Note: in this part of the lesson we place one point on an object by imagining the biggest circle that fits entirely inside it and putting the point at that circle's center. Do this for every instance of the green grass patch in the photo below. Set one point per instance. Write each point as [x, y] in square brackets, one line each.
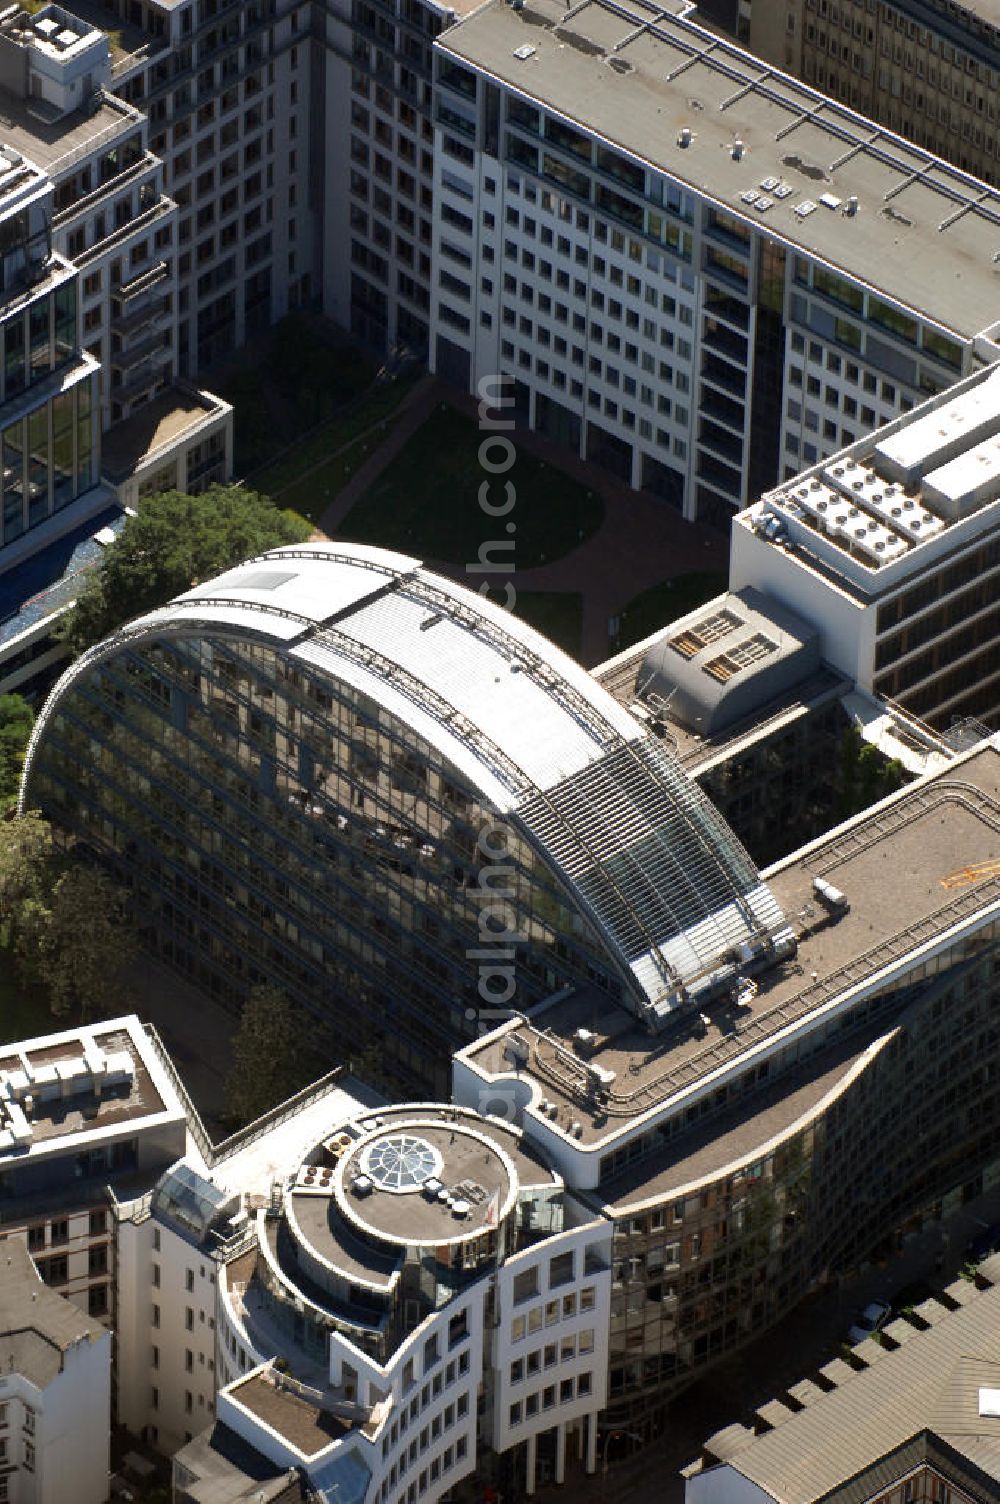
[660, 604]
[426, 502]
[313, 494]
[288, 480]
[557, 614]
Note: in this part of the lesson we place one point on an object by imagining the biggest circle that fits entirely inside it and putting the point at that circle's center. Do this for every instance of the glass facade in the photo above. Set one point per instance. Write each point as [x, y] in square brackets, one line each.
[48, 458]
[277, 825]
[699, 1274]
[47, 451]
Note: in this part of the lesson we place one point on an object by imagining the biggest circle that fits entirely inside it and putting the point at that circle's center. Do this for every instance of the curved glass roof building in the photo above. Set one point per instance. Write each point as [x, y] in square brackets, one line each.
[337, 771]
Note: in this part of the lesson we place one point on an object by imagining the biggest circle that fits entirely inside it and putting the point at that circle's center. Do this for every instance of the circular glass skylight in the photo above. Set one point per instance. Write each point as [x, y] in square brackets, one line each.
[401, 1162]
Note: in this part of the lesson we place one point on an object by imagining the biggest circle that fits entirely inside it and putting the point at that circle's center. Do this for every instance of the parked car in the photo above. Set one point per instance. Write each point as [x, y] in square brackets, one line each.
[872, 1319]
[983, 1244]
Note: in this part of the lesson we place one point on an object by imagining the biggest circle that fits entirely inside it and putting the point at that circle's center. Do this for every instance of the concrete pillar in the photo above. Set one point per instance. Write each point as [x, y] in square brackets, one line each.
[581, 1437]
[635, 468]
[529, 1468]
[592, 1442]
[561, 1452]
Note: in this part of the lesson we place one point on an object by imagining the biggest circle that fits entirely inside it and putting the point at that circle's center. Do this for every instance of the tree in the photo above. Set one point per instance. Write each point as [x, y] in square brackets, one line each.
[82, 943]
[173, 543]
[865, 775]
[267, 1058]
[16, 721]
[25, 872]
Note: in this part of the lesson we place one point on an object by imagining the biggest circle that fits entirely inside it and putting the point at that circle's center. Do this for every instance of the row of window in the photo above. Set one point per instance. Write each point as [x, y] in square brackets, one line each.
[439, 1467]
[552, 1353]
[550, 1313]
[545, 1399]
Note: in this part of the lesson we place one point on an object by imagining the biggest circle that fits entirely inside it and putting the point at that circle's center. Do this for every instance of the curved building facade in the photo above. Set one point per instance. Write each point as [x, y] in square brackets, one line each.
[333, 770]
[849, 1099]
[438, 1301]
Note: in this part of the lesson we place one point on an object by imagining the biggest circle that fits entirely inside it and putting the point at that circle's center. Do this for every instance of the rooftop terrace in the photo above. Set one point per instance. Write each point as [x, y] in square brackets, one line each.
[457, 1172]
[156, 426]
[56, 145]
[942, 833]
[301, 1416]
[924, 233]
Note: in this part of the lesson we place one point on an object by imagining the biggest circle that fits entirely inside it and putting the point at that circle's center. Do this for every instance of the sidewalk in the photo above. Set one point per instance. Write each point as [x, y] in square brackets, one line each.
[641, 542]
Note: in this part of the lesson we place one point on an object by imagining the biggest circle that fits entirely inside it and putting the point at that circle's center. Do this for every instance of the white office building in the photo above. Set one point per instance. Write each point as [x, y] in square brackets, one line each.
[55, 1391]
[437, 1298]
[698, 272]
[891, 548]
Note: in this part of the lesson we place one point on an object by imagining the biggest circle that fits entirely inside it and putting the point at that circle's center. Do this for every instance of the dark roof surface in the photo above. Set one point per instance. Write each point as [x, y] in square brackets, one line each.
[219, 1467]
[37, 1326]
[928, 1389]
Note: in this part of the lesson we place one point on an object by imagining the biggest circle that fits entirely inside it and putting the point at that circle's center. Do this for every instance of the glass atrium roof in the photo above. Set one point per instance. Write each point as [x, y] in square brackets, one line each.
[189, 1201]
[402, 1162]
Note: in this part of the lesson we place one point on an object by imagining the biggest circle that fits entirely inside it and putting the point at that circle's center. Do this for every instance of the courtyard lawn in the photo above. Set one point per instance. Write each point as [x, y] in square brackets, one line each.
[426, 502]
[664, 603]
[311, 473]
[557, 614]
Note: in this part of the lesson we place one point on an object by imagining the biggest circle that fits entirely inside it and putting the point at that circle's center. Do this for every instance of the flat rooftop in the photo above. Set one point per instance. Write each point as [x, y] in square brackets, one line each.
[54, 146]
[703, 1152]
[155, 427]
[325, 1231]
[363, 1236]
[620, 677]
[943, 833]
[452, 1161]
[78, 1084]
[924, 233]
[293, 1411]
[900, 498]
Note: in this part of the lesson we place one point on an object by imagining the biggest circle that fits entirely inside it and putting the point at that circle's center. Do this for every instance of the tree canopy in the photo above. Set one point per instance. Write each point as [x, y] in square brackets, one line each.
[865, 775]
[25, 869]
[83, 943]
[174, 542]
[268, 1060]
[16, 721]
[63, 924]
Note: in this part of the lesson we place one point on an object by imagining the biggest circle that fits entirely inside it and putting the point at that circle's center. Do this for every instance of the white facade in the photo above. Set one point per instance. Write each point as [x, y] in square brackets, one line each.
[674, 301]
[56, 1437]
[553, 1307]
[55, 1392]
[227, 93]
[907, 605]
[513, 1347]
[166, 1333]
[58, 1206]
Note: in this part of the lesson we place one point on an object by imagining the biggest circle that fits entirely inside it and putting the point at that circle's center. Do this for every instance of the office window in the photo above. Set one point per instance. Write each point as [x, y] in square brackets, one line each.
[525, 1285]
